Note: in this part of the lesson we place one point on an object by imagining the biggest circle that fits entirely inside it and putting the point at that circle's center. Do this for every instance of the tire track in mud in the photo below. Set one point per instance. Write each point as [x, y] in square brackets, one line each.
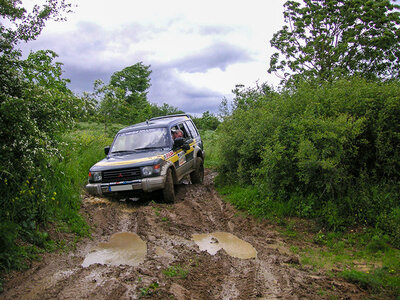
[167, 229]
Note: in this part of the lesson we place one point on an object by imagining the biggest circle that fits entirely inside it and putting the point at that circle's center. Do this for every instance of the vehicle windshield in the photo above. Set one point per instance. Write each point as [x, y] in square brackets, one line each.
[137, 140]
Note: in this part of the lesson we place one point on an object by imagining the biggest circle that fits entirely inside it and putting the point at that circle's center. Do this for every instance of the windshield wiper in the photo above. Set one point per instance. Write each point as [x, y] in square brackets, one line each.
[148, 148]
[122, 151]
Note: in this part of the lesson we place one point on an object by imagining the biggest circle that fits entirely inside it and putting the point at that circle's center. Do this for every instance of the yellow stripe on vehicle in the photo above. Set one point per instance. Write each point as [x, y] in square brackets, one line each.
[127, 162]
[173, 158]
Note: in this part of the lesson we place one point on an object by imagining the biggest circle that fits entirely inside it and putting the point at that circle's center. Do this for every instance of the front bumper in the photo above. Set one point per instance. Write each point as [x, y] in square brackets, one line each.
[146, 184]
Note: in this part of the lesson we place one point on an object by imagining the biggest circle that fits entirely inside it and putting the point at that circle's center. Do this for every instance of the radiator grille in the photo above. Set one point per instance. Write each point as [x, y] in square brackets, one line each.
[121, 175]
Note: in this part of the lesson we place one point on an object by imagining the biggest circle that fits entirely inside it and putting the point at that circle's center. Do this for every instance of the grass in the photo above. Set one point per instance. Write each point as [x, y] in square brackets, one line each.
[361, 255]
[176, 272]
[347, 255]
[379, 281]
[208, 137]
[149, 290]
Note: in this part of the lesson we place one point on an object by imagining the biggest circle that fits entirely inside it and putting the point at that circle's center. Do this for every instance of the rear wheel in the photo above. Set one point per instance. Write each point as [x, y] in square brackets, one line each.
[169, 190]
[197, 175]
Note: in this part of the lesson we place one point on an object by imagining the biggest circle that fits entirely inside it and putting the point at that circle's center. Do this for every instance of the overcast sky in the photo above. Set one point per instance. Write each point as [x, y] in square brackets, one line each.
[198, 50]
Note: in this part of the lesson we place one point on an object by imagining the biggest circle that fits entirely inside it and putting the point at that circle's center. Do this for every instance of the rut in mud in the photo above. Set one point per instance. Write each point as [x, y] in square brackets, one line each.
[150, 249]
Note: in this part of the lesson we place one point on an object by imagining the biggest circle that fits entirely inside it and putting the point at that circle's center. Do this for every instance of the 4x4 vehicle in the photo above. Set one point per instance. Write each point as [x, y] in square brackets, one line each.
[144, 157]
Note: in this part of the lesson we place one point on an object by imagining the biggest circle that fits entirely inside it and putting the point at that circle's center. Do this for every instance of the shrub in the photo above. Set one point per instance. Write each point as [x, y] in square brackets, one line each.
[328, 151]
[52, 195]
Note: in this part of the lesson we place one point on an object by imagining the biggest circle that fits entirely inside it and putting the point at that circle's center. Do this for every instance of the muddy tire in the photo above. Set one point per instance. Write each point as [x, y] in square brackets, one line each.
[169, 190]
[197, 176]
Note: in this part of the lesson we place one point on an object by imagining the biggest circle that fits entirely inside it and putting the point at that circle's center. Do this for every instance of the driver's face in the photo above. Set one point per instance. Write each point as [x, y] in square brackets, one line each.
[177, 134]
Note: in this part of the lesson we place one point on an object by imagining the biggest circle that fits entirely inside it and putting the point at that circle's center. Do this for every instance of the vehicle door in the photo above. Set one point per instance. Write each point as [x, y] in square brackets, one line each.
[195, 133]
[184, 160]
[191, 142]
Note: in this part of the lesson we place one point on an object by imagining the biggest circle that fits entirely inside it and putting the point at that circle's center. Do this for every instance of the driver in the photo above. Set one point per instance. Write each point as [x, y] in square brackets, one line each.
[177, 134]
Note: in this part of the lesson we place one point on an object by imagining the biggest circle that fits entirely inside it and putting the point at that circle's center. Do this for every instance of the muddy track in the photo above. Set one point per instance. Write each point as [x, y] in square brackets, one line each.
[167, 230]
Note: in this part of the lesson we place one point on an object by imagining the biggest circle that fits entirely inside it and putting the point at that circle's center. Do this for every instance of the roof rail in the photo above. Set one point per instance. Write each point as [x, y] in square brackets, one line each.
[170, 116]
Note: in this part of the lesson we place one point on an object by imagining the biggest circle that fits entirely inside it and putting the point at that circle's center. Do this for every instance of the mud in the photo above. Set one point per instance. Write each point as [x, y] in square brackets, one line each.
[166, 232]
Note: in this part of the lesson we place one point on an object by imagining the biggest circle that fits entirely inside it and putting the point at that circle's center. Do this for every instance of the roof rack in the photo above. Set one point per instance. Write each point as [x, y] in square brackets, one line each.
[170, 116]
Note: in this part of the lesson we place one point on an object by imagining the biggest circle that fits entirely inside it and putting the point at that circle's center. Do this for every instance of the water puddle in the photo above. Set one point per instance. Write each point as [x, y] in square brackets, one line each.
[235, 247]
[124, 248]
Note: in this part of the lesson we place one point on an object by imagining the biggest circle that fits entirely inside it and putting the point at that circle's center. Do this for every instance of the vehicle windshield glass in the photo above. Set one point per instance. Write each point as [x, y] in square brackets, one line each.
[140, 140]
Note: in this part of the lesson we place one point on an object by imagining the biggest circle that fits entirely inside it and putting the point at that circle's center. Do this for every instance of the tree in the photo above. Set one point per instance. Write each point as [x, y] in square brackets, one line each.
[35, 105]
[131, 84]
[112, 107]
[164, 109]
[21, 26]
[134, 81]
[327, 39]
[36, 108]
[207, 121]
[39, 68]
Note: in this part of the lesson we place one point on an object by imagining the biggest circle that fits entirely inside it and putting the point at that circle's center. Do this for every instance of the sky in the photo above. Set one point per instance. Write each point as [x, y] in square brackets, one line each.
[198, 51]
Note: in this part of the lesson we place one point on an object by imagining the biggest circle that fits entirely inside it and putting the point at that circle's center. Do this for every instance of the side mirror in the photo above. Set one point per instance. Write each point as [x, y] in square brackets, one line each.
[178, 143]
[186, 146]
[107, 150]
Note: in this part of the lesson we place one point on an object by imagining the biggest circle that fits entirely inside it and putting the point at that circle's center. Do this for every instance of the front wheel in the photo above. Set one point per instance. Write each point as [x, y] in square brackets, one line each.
[169, 190]
[197, 176]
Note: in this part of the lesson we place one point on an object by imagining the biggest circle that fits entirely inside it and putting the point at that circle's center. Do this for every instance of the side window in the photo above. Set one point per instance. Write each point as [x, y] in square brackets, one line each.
[192, 128]
[183, 128]
[185, 133]
[190, 135]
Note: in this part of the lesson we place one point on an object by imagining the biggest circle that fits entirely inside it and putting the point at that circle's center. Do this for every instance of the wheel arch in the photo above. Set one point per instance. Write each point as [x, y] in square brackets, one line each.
[167, 166]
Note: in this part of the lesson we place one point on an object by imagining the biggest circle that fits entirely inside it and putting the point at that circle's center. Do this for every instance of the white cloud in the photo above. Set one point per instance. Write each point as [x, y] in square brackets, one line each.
[198, 50]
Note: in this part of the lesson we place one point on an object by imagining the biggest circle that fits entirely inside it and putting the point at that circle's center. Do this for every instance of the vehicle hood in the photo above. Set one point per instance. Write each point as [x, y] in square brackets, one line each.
[137, 159]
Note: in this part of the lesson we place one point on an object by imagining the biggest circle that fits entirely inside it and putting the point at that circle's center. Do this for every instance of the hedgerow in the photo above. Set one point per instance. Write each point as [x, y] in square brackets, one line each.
[330, 151]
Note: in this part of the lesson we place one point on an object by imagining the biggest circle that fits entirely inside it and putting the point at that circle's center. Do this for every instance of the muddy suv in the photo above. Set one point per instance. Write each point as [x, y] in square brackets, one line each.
[149, 156]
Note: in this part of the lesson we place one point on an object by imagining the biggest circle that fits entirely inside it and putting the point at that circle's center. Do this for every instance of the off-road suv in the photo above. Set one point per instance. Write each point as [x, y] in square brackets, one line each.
[145, 157]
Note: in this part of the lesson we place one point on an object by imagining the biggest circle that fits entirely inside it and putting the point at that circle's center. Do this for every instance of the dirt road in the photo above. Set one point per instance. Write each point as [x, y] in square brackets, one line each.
[169, 264]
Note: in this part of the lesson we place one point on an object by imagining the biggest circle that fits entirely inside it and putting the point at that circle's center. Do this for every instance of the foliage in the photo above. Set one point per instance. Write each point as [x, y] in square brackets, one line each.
[335, 253]
[176, 271]
[378, 281]
[328, 39]
[53, 196]
[36, 110]
[330, 152]
[133, 81]
[131, 85]
[208, 137]
[150, 290]
[207, 121]
[164, 110]
[111, 108]
[124, 99]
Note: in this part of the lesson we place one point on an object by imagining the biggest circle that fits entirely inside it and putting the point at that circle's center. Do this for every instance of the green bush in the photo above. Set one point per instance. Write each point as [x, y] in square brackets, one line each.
[53, 195]
[330, 152]
[207, 121]
[389, 221]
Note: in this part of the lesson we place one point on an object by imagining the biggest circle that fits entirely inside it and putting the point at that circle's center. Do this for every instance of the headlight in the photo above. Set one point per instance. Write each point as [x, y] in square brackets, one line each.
[151, 170]
[95, 176]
